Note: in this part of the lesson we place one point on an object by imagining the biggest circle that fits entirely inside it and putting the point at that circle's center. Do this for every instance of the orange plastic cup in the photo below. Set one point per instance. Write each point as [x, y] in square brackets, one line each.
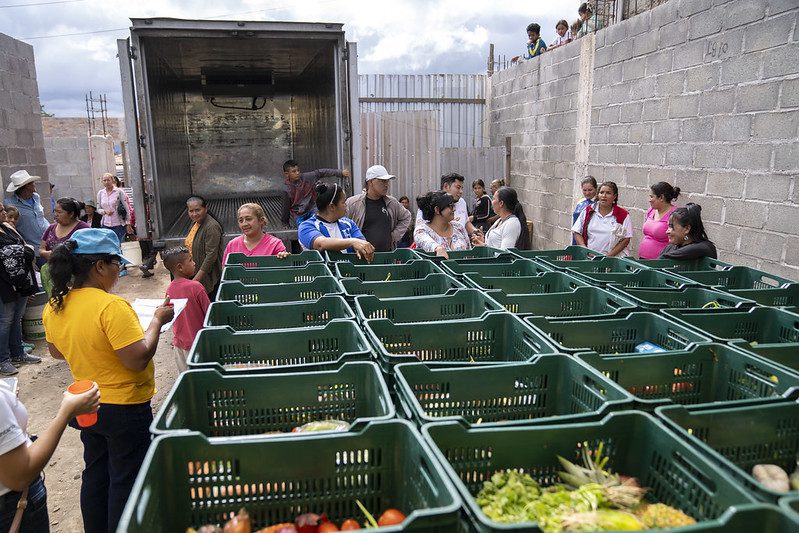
[79, 387]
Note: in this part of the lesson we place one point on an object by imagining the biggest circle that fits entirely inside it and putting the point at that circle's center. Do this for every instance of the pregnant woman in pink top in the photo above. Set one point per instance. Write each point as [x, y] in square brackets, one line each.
[254, 241]
[657, 220]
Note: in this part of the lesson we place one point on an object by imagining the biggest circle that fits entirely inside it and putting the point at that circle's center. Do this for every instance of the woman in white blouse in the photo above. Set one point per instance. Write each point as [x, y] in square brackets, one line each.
[605, 227]
[510, 229]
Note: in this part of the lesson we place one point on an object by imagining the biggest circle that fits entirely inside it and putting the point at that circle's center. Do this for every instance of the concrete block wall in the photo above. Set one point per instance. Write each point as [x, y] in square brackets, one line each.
[703, 94]
[21, 140]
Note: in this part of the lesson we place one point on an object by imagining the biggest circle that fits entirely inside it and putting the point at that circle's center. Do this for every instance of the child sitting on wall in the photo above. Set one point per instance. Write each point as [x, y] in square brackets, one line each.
[535, 45]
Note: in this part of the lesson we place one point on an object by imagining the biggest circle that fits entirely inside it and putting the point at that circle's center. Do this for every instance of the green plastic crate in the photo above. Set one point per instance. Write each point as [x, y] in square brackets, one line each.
[272, 261]
[685, 298]
[266, 276]
[742, 436]
[585, 303]
[474, 253]
[599, 265]
[187, 480]
[219, 405]
[770, 333]
[738, 278]
[277, 315]
[787, 296]
[431, 284]
[412, 270]
[576, 253]
[646, 279]
[759, 517]
[685, 265]
[462, 303]
[495, 338]
[282, 292]
[279, 350]
[502, 267]
[636, 444]
[790, 505]
[617, 335]
[549, 389]
[546, 283]
[702, 374]
[396, 257]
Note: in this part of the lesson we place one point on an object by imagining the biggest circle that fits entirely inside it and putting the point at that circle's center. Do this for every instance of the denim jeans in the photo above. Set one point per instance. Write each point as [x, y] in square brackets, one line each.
[35, 519]
[11, 328]
[121, 232]
[113, 451]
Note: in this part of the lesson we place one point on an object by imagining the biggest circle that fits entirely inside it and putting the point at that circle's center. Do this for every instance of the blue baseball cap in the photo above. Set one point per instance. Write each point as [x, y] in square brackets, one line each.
[98, 241]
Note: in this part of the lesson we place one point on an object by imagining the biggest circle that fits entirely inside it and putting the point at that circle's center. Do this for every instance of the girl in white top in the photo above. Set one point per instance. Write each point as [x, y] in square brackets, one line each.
[21, 461]
[609, 227]
[510, 230]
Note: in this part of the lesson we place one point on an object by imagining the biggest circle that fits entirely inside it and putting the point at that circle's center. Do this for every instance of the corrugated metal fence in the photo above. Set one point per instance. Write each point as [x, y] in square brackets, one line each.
[422, 126]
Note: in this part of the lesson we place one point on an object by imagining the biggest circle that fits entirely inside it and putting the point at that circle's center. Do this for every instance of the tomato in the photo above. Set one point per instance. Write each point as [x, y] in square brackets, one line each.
[390, 517]
[327, 527]
[349, 524]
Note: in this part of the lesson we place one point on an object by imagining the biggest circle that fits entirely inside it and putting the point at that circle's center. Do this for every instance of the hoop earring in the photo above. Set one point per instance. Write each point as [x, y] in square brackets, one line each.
[685, 238]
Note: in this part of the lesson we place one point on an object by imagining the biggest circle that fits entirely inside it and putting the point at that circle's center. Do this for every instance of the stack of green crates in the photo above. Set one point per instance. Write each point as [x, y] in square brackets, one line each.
[281, 315]
[278, 293]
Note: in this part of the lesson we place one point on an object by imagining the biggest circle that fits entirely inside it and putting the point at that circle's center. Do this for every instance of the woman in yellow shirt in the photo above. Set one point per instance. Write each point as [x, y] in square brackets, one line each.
[99, 335]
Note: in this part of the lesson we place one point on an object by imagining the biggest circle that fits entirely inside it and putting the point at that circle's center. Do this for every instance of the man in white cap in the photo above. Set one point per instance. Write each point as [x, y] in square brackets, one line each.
[382, 219]
[31, 224]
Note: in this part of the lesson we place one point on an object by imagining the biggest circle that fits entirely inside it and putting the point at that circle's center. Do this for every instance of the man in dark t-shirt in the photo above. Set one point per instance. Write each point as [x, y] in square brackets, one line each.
[382, 219]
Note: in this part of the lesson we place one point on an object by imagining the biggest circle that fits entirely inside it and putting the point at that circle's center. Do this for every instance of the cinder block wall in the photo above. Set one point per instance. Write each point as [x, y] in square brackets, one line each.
[703, 94]
[21, 141]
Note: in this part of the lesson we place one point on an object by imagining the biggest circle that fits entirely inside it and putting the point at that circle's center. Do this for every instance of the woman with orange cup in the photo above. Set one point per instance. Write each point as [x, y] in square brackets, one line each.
[22, 461]
[99, 335]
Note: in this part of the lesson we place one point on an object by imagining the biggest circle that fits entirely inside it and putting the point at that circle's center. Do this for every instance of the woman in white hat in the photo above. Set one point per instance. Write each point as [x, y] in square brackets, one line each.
[31, 224]
[92, 217]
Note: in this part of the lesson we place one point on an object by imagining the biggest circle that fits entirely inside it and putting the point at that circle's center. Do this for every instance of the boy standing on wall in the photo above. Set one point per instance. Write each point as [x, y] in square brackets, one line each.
[300, 195]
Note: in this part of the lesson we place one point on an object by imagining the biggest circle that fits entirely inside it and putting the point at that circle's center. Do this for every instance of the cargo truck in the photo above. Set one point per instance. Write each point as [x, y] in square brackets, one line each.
[214, 108]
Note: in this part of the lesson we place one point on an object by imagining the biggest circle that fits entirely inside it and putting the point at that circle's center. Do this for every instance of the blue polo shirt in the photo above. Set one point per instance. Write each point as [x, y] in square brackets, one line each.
[31, 224]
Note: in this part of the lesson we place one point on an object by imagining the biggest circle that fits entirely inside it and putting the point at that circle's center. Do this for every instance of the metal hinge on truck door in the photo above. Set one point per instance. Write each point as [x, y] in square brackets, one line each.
[346, 54]
[132, 52]
[142, 143]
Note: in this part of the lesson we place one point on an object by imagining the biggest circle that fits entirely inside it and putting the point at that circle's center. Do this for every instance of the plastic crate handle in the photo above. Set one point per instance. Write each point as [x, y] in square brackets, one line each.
[696, 472]
[611, 302]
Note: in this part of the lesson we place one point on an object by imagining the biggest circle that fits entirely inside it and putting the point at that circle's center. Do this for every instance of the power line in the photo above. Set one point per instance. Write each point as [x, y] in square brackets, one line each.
[72, 34]
[42, 3]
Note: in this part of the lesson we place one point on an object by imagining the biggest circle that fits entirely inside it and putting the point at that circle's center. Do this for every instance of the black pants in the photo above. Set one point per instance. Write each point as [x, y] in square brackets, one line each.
[35, 518]
[113, 451]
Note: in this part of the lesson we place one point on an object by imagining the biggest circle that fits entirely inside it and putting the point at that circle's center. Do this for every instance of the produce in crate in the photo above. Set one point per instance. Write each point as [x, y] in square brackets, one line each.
[772, 477]
[591, 498]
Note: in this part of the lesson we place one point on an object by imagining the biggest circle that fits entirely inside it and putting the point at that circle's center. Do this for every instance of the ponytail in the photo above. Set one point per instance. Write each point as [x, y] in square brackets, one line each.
[510, 198]
[69, 270]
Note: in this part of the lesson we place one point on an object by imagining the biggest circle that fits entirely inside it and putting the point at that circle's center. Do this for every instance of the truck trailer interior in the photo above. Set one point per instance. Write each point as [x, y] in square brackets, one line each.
[226, 111]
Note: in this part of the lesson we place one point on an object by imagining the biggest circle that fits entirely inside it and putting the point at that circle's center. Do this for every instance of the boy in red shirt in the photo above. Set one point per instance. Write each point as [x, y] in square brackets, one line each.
[179, 262]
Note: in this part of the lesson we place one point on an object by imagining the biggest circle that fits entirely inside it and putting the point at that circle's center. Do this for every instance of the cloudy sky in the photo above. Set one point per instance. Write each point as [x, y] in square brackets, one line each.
[75, 48]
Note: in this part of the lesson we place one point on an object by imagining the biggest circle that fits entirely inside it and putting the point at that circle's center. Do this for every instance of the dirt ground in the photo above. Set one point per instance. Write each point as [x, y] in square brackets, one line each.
[41, 387]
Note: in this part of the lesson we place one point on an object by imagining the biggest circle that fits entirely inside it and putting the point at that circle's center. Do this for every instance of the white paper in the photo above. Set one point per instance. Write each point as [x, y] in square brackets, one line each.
[145, 309]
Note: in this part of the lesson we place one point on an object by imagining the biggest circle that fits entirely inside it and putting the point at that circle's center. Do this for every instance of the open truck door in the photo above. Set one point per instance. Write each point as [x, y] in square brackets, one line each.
[354, 118]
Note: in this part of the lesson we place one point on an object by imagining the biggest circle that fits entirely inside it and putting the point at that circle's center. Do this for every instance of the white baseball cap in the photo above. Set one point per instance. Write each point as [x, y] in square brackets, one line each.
[379, 172]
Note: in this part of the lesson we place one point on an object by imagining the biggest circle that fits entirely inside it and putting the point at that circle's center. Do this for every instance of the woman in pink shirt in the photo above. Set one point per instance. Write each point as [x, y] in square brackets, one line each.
[254, 240]
[657, 219]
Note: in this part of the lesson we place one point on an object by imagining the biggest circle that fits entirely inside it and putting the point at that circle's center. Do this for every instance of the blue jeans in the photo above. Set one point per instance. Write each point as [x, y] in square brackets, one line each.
[113, 451]
[121, 232]
[35, 519]
[11, 328]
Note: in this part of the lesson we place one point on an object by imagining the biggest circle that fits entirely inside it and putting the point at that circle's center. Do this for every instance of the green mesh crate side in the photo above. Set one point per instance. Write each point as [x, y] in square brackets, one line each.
[785, 355]
[494, 338]
[636, 444]
[685, 298]
[570, 253]
[278, 349]
[618, 335]
[642, 279]
[284, 292]
[599, 265]
[272, 261]
[413, 270]
[584, 302]
[219, 405]
[685, 265]
[263, 276]
[552, 386]
[762, 325]
[276, 316]
[790, 504]
[745, 436]
[705, 373]
[738, 277]
[187, 481]
[462, 303]
[547, 283]
[431, 284]
[395, 257]
[515, 268]
[787, 296]
[475, 253]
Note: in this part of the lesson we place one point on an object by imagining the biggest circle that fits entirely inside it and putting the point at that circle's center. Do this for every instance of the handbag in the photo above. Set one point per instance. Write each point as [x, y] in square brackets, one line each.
[122, 209]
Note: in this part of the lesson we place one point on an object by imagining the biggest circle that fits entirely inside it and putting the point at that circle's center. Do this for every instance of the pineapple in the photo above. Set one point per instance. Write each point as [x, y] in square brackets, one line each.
[659, 515]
